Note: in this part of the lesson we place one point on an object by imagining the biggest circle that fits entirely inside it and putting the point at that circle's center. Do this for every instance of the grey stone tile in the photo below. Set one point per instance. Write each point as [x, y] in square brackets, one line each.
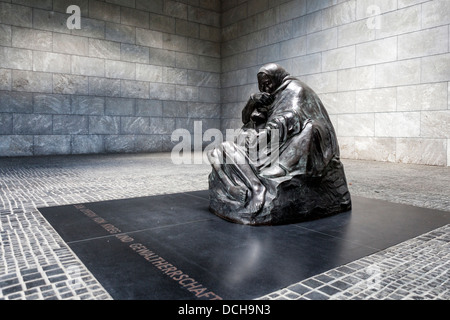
[32, 124]
[70, 84]
[18, 102]
[47, 145]
[52, 103]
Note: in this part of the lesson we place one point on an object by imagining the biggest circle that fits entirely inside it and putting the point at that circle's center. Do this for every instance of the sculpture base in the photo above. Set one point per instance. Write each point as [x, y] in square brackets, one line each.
[288, 200]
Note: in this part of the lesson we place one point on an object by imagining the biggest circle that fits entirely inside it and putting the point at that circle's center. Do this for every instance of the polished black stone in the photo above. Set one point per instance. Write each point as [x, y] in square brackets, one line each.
[192, 254]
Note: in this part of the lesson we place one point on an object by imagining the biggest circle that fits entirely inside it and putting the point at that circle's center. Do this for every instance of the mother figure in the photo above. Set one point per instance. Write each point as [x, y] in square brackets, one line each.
[284, 164]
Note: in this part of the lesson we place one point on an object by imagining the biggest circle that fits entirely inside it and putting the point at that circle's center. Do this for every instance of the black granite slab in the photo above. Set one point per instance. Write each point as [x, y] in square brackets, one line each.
[171, 247]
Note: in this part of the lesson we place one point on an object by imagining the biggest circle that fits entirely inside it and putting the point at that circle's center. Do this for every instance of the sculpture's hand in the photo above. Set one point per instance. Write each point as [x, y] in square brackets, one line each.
[264, 98]
[248, 110]
[253, 138]
[267, 99]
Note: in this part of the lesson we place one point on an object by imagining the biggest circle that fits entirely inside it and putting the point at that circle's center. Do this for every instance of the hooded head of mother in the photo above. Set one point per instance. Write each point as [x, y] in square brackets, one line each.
[271, 77]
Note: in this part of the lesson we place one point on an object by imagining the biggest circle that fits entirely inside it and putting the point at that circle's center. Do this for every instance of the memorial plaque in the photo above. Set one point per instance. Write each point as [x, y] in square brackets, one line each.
[170, 247]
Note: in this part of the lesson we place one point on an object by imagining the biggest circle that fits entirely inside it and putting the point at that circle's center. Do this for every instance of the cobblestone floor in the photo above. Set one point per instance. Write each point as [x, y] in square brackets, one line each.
[35, 263]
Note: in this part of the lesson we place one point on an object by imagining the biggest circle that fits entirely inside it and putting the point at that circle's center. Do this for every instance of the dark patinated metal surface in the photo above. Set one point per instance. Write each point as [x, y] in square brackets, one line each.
[297, 173]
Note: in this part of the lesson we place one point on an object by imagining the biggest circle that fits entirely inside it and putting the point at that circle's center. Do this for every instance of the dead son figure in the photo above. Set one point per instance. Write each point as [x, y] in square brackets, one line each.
[284, 164]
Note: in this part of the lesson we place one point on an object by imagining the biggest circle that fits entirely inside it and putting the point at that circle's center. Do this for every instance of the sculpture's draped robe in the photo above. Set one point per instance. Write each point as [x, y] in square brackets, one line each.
[300, 166]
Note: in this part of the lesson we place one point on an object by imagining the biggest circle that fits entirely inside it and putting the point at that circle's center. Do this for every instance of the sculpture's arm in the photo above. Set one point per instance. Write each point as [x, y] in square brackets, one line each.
[288, 124]
[256, 101]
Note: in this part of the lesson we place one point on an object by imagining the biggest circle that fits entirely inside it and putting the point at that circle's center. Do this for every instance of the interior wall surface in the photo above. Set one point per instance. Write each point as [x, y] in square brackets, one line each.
[381, 67]
[133, 72]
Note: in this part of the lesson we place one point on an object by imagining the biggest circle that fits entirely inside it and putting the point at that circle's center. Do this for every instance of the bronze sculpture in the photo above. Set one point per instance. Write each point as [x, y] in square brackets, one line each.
[296, 174]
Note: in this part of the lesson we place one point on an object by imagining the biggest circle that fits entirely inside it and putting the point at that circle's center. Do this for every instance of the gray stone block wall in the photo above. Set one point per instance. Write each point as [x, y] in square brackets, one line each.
[135, 71]
[139, 69]
[382, 69]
